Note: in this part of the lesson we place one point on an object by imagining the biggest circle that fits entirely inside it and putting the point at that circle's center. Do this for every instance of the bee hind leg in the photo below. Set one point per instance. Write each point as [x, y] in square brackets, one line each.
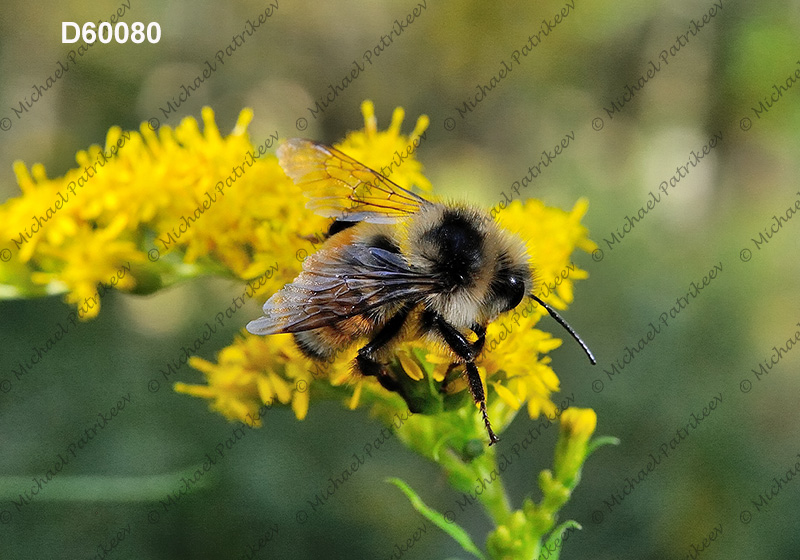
[370, 367]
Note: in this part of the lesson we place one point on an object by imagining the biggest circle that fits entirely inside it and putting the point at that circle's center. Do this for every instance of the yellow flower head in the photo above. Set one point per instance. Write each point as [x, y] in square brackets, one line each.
[577, 426]
[234, 385]
[173, 205]
[249, 373]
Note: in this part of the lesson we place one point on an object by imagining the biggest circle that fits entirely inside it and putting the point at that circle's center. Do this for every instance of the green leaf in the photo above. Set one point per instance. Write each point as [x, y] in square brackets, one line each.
[449, 527]
[102, 488]
[552, 547]
[600, 442]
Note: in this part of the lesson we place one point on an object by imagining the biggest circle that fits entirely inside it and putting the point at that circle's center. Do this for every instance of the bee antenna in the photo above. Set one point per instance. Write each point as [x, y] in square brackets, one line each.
[554, 314]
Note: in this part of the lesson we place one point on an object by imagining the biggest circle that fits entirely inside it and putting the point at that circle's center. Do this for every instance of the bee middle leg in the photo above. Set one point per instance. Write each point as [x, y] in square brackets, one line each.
[465, 350]
[366, 362]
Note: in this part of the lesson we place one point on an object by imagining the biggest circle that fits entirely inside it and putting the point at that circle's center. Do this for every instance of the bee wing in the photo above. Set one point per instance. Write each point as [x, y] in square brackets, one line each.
[340, 187]
[338, 283]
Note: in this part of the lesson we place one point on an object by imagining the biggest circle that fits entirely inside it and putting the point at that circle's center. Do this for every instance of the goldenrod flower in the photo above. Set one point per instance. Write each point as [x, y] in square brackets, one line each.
[577, 426]
[514, 362]
[149, 209]
[273, 372]
[390, 153]
[185, 202]
[173, 205]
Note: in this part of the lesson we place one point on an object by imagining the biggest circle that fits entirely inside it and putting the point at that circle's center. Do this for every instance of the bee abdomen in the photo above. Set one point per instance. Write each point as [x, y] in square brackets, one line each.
[328, 343]
[310, 344]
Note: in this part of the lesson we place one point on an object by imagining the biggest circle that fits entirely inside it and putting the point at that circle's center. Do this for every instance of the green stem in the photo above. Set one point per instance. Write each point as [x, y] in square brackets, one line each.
[494, 497]
[470, 477]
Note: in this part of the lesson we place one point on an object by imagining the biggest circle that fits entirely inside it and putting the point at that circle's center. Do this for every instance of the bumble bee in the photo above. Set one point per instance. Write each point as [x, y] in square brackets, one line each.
[395, 265]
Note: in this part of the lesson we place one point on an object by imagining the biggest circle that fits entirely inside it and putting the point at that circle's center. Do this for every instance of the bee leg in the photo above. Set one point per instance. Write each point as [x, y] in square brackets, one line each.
[476, 388]
[477, 346]
[365, 361]
[459, 344]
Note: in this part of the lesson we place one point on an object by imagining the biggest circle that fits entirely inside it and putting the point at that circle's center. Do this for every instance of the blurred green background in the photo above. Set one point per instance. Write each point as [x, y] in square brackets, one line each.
[709, 86]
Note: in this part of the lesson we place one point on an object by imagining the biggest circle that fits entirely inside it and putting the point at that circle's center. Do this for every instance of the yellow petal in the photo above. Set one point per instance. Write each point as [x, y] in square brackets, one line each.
[353, 404]
[300, 405]
[410, 366]
[507, 396]
[281, 388]
[265, 391]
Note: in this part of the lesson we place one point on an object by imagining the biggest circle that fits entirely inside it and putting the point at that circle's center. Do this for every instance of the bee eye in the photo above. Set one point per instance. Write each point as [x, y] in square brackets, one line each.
[513, 290]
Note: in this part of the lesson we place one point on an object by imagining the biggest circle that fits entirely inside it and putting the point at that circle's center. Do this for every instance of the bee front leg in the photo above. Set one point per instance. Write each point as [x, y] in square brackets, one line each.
[477, 346]
[465, 350]
[476, 388]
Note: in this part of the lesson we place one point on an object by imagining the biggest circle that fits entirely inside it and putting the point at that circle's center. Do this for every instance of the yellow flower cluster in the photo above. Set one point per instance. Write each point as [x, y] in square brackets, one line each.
[514, 361]
[249, 374]
[182, 203]
[171, 205]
